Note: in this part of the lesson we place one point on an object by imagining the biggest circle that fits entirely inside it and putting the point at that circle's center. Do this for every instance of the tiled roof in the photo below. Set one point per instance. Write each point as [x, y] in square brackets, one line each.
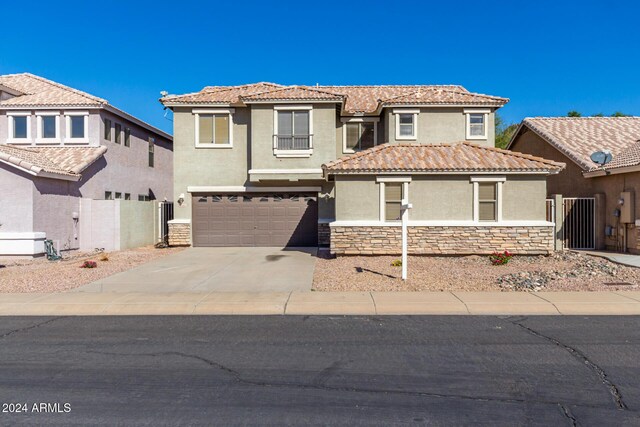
[456, 157]
[39, 91]
[579, 137]
[355, 99]
[63, 161]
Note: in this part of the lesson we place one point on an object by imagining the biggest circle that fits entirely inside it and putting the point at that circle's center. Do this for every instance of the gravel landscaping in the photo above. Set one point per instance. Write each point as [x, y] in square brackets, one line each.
[41, 275]
[562, 271]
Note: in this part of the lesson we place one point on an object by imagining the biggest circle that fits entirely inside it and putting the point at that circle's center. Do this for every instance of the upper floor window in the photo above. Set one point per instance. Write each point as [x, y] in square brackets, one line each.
[476, 123]
[214, 128]
[359, 134]
[152, 143]
[19, 126]
[107, 129]
[76, 126]
[127, 137]
[406, 124]
[118, 131]
[47, 127]
[487, 196]
[293, 130]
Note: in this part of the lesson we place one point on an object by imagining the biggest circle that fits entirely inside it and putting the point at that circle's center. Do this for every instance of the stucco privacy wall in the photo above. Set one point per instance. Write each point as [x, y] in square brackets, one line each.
[117, 224]
[441, 240]
[439, 125]
[440, 197]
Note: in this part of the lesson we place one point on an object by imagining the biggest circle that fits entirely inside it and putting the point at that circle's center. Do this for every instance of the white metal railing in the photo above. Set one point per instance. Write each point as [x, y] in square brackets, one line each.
[293, 142]
[579, 222]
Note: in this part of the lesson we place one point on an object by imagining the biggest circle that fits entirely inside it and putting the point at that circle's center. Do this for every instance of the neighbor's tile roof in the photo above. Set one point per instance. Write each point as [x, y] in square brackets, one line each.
[579, 137]
[39, 91]
[65, 161]
[456, 157]
[356, 99]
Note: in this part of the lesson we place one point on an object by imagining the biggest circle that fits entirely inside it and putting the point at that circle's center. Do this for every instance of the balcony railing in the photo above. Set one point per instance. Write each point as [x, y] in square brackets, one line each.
[293, 142]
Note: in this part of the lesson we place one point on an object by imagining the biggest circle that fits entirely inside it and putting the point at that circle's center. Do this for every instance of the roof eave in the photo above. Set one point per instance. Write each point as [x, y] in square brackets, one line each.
[442, 172]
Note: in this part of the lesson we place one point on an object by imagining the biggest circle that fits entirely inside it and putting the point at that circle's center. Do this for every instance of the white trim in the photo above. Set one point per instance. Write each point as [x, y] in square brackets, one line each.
[614, 171]
[22, 235]
[406, 111]
[476, 202]
[196, 114]
[477, 110]
[488, 178]
[442, 223]
[243, 189]
[39, 138]
[393, 179]
[179, 221]
[485, 119]
[29, 171]
[529, 172]
[280, 101]
[293, 107]
[10, 127]
[293, 153]
[346, 121]
[284, 171]
[382, 209]
[67, 134]
[397, 113]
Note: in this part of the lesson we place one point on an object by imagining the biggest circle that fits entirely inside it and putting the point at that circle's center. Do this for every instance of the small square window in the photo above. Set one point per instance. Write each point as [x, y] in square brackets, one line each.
[118, 195]
[108, 195]
[107, 129]
[127, 196]
[118, 131]
[127, 137]
[216, 199]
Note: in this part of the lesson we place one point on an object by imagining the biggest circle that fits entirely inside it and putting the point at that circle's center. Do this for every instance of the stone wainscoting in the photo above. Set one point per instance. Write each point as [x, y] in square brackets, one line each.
[179, 233]
[442, 240]
[324, 234]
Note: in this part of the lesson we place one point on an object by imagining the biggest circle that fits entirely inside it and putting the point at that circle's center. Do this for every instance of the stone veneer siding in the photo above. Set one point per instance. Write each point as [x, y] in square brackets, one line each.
[179, 234]
[324, 234]
[441, 240]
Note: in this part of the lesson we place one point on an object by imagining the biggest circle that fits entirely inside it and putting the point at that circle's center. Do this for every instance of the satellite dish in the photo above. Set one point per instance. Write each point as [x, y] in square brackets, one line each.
[601, 158]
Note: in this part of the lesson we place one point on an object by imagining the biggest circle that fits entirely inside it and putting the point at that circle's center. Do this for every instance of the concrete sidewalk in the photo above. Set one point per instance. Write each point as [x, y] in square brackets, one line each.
[322, 303]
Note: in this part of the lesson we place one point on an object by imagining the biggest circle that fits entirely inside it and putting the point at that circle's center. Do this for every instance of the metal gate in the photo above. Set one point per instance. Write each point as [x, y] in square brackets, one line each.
[579, 225]
[165, 214]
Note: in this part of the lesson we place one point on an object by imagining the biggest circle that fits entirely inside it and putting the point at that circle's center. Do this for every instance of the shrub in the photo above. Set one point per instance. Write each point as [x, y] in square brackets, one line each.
[396, 263]
[104, 257]
[89, 264]
[500, 258]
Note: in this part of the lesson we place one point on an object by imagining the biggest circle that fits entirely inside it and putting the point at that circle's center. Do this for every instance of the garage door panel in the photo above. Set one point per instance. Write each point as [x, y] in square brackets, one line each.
[255, 220]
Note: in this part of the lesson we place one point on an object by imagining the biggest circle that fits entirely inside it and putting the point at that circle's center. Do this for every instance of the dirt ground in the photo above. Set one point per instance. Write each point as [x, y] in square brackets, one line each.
[41, 275]
[563, 271]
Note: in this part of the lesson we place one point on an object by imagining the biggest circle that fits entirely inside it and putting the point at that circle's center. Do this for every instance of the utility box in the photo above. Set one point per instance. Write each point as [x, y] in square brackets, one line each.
[627, 210]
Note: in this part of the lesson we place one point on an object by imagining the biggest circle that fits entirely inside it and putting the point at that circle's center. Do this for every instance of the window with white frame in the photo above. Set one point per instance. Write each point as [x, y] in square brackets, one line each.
[293, 131]
[359, 134]
[214, 128]
[487, 195]
[76, 126]
[19, 126]
[406, 124]
[477, 121]
[47, 127]
[393, 190]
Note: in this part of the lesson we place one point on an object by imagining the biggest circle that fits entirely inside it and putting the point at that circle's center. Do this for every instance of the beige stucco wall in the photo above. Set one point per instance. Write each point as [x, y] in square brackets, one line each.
[441, 197]
[138, 223]
[16, 200]
[439, 125]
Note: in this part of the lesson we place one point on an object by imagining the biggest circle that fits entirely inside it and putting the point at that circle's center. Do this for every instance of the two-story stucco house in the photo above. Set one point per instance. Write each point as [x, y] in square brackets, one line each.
[57, 145]
[257, 165]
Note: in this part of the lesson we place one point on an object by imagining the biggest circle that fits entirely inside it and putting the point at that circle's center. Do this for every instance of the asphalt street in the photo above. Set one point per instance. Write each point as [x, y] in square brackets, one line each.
[290, 370]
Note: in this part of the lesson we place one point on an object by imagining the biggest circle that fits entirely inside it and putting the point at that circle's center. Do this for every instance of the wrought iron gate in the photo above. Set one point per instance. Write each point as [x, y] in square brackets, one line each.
[579, 223]
[165, 214]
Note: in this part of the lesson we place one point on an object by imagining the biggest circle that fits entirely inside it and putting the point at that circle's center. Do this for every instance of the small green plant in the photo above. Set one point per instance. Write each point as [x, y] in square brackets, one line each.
[396, 263]
[89, 264]
[500, 258]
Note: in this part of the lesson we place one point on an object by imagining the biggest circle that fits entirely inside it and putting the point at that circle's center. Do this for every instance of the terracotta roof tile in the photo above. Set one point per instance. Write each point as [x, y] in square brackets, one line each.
[39, 91]
[457, 157]
[65, 161]
[355, 99]
[579, 137]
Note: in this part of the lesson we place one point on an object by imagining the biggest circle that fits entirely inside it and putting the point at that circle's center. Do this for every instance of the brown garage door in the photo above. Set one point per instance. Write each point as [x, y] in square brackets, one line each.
[255, 220]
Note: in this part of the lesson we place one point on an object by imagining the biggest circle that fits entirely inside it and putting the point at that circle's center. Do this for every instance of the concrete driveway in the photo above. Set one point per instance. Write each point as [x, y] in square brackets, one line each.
[217, 270]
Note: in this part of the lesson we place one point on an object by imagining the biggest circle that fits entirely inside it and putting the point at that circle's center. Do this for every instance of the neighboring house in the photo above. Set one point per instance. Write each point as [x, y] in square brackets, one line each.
[572, 140]
[249, 169]
[57, 145]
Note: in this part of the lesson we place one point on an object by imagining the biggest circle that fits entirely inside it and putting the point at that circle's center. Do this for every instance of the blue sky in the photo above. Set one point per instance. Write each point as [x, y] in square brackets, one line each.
[548, 57]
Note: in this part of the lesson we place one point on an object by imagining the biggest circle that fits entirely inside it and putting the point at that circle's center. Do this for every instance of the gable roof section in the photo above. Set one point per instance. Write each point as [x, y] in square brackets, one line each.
[439, 158]
[35, 91]
[355, 99]
[51, 162]
[579, 137]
